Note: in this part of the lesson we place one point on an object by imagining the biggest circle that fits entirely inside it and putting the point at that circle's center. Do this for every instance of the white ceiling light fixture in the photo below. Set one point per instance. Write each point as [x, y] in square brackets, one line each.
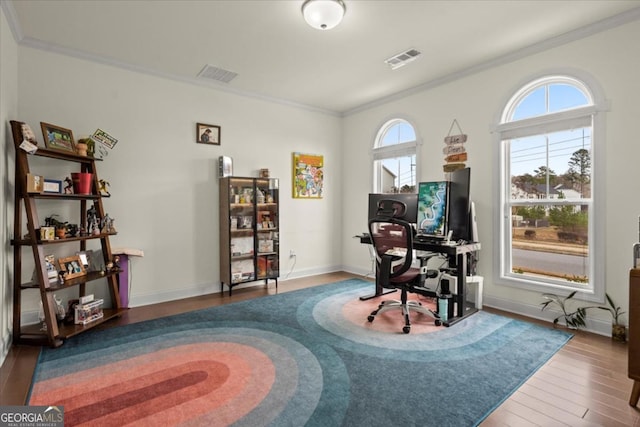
[323, 14]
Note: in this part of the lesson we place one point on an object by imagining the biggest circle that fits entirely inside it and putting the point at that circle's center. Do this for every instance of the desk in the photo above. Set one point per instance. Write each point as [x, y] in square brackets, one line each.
[457, 256]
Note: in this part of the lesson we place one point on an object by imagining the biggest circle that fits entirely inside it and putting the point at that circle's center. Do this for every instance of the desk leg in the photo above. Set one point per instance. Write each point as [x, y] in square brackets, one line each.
[379, 291]
[463, 309]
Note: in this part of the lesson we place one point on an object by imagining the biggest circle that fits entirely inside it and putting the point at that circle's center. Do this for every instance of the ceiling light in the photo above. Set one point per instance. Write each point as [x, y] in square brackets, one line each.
[323, 14]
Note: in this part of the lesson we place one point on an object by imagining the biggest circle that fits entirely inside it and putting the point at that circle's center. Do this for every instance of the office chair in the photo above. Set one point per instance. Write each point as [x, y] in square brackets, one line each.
[392, 240]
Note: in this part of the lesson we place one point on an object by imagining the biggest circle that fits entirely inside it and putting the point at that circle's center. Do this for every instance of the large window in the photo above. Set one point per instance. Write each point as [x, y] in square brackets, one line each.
[548, 228]
[394, 158]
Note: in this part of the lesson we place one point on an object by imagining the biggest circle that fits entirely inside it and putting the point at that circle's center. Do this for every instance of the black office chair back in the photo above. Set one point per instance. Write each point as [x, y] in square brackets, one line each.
[392, 239]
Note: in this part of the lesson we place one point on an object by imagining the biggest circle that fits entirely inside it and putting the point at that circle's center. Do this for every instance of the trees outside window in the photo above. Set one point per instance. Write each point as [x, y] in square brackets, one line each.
[547, 187]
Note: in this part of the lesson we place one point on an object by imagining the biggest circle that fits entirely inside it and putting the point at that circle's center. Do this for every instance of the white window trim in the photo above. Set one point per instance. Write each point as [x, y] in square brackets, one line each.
[541, 124]
[395, 150]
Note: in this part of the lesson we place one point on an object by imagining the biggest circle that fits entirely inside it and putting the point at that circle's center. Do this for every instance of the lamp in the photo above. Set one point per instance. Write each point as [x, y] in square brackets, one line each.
[323, 14]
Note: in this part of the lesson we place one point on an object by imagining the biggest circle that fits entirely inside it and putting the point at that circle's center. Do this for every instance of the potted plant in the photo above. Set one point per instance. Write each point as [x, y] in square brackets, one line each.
[572, 319]
[618, 330]
[82, 147]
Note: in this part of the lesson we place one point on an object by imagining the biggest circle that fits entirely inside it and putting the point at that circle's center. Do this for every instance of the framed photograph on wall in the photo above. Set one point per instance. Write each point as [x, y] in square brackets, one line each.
[71, 267]
[58, 138]
[207, 134]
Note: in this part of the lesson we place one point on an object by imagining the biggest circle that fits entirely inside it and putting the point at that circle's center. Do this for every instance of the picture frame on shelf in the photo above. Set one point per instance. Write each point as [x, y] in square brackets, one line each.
[58, 138]
[52, 186]
[96, 260]
[71, 267]
[52, 273]
[47, 233]
[35, 183]
[207, 134]
[85, 259]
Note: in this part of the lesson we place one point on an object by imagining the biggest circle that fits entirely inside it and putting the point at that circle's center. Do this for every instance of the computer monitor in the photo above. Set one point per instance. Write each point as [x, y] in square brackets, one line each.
[433, 207]
[460, 205]
[409, 199]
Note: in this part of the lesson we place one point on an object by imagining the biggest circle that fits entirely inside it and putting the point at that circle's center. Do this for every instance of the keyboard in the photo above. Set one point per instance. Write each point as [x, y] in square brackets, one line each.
[422, 238]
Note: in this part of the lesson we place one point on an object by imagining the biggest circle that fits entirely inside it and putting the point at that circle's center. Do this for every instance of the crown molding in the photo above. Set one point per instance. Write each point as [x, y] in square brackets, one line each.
[12, 19]
[568, 37]
[577, 34]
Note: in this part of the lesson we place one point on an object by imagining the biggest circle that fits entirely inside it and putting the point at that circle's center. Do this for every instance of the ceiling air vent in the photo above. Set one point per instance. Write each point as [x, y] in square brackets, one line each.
[402, 59]
[215, 73]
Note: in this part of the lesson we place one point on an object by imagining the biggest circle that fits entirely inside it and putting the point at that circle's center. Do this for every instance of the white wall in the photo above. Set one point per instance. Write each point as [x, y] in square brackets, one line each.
[476, 101]
[163, 184]
[8, 109]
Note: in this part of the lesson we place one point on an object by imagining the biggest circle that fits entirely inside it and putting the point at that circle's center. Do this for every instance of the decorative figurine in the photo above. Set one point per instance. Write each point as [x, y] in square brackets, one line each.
[27, 134]
[72, 229]
[107, 225]
[68, 188]
[92, 220]
[104, 185]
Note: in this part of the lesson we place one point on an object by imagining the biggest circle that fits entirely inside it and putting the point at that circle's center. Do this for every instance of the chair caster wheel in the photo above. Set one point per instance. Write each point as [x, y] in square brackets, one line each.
[370, 318]
[406, 329]
[438, 322]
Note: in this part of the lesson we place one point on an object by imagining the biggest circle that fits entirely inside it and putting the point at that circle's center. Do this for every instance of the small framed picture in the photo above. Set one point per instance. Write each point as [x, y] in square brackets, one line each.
[52, 186]
[35, 183]
[58, 138]
[85, 257]
[207, 134]
[71, 267]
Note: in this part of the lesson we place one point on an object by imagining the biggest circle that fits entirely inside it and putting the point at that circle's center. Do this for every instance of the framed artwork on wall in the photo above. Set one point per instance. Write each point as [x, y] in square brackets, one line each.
[308, 176]
[58, 138]
[207, 134]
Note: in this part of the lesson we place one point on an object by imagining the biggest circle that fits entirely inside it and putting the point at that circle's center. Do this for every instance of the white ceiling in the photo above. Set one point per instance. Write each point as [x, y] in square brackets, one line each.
[278, 56]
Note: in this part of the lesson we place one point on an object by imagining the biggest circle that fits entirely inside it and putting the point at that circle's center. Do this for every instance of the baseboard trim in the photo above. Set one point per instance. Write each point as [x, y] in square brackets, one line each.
[140, 300]
[595, 326]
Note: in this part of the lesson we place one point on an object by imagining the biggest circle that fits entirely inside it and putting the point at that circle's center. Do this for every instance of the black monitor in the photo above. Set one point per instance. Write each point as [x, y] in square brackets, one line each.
[409, 199]
[460, 205]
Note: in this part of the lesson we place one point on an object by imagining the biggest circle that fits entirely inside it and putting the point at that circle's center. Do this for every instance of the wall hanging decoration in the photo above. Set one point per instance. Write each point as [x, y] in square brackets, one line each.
[308, 176]
[102, 143]
[207, 134]
[454, 151]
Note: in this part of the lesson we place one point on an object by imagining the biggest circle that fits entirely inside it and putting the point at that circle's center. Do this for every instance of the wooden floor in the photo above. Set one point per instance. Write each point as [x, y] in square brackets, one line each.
[584, 384]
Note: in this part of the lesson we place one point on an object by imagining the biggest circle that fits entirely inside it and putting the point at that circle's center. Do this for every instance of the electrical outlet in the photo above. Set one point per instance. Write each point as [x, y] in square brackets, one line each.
[292, 253]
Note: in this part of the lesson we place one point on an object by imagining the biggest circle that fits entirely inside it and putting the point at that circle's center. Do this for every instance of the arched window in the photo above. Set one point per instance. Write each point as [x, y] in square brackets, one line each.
[394, 158]
[548, 227]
